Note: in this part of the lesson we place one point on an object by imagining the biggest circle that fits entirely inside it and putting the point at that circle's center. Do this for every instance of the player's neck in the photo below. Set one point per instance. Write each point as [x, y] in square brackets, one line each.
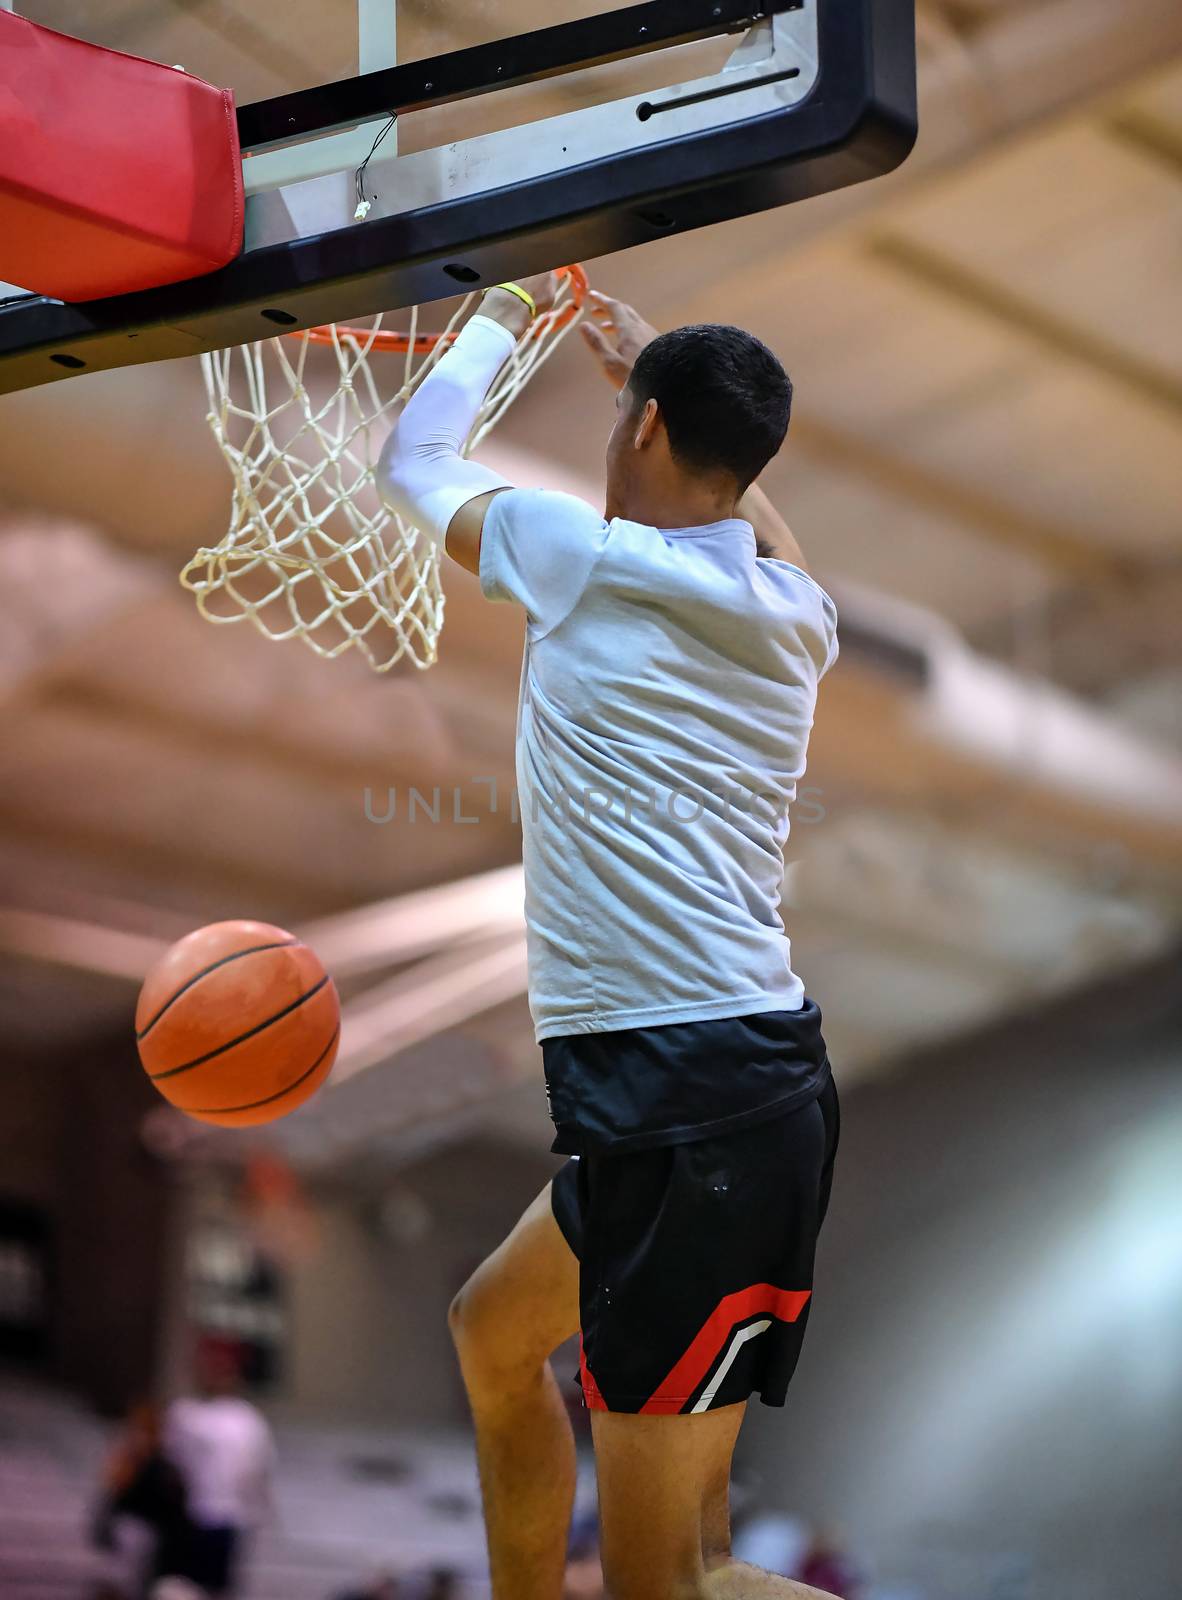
[672, 506]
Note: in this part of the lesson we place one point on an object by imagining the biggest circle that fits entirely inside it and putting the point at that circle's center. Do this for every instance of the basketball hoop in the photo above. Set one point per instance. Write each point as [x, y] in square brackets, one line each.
[312, 552]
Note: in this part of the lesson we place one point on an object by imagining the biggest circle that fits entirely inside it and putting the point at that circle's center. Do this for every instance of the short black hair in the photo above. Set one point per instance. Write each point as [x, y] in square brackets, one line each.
[724, 397]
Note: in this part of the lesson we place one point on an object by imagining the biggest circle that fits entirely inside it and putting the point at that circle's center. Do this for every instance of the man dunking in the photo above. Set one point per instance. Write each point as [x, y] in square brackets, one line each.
[673, 651]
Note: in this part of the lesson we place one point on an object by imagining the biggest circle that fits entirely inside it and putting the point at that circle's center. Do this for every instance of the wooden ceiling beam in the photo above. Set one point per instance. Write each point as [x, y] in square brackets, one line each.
[1147, 137]
[1058, 336]
[1037, 69]
[1059, 547]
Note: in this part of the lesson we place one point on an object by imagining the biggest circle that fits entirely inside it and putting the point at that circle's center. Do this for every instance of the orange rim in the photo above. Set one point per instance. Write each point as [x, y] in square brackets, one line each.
[388, 342]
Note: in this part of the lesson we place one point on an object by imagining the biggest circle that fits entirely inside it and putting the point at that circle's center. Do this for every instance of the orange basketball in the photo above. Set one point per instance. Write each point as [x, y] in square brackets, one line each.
[238, 1023]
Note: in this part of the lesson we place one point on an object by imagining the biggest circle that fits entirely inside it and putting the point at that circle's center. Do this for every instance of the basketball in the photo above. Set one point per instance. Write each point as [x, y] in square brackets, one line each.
[238, 1023]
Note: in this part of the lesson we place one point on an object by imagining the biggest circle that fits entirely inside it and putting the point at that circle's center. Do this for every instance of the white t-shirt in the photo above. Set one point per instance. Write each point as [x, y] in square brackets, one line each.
[223, 1450]
[667, 696]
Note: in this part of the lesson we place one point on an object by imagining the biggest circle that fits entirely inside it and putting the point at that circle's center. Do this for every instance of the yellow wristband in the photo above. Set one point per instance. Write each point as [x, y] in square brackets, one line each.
[523, 295]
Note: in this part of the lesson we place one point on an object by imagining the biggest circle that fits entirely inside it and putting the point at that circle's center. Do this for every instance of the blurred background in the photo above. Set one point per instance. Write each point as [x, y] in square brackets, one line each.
[985, 469]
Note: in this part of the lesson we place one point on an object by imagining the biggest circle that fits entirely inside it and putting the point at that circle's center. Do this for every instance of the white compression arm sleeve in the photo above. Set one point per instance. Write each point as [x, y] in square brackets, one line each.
[421, 474]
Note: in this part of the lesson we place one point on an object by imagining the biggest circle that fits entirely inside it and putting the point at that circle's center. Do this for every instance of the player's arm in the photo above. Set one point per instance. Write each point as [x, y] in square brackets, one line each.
[422, 472]
[616, 333]
[772, 533]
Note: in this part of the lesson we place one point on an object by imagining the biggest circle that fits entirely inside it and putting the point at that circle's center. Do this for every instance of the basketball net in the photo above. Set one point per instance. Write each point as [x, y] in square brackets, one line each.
[312, 552]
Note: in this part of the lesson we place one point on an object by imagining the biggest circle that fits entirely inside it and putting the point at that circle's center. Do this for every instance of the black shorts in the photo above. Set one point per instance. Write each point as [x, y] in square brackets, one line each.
[696, 1261]
[212, 1560]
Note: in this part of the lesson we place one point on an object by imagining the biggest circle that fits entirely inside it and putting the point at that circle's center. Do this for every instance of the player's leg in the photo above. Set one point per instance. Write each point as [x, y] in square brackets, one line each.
[657, 1475]
[716, 1511]
[702, 1259]
[516, 1308]
[737, 1580]
[728, 1579]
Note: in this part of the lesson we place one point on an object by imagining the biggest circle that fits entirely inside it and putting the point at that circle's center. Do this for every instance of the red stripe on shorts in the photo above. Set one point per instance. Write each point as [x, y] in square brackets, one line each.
[592, 1398]
[760, 1299]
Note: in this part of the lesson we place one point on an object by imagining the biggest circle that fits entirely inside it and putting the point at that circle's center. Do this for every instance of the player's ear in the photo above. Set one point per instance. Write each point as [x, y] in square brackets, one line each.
[646, 427]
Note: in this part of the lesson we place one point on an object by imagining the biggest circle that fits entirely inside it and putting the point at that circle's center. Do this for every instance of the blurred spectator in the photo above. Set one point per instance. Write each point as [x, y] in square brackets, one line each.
[176, 1589]
[223, 1448]
[773, 1540]
[140, 1482]
[583, 1579]
[382, 1586]
[443, 1583]
[825, 1567]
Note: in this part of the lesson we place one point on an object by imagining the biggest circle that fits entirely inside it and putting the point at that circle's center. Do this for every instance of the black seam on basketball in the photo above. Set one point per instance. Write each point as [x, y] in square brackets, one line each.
[253, 1105]
[279, 944]
[171, 1072]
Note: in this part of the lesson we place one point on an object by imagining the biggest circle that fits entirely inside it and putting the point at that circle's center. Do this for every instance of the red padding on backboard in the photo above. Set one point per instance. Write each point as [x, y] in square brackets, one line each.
[116, 173]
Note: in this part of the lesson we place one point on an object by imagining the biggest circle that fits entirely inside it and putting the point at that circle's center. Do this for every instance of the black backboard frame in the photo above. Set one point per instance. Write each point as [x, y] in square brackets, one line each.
[859, 121]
